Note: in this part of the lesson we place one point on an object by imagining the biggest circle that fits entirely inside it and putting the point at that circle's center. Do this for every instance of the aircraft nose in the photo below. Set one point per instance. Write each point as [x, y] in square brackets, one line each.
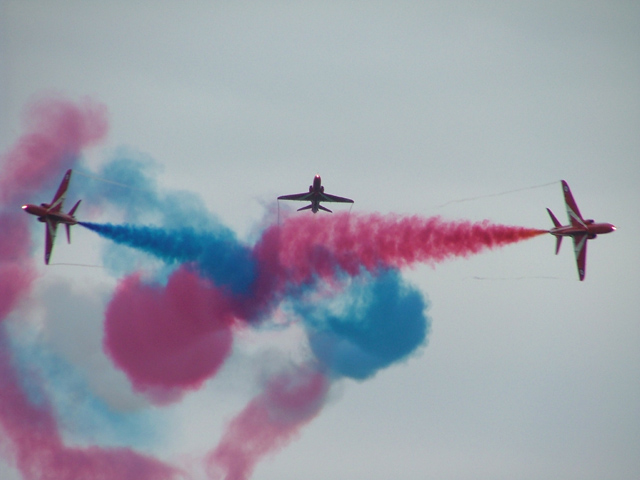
[613, 228]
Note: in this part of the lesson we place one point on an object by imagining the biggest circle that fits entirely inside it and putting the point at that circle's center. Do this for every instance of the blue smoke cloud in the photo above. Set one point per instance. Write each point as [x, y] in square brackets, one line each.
[377, 321]
[128, 182]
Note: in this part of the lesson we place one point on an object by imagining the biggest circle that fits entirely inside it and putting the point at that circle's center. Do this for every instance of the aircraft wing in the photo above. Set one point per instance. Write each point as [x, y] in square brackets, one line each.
[304, 197]
[572, 208]
[580, 247]
[334, 198]
[50, 237]
[58, 199]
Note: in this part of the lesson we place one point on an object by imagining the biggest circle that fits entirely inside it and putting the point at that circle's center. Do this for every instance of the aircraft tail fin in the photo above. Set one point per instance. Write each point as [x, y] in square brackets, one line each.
[75, 207]
[558, 243]
[324, 208]
[556, 224]
[555, 221]
[71, 212]
[308, 207]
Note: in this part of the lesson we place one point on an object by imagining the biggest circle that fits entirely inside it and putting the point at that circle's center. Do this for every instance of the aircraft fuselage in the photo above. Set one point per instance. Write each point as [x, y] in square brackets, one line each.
[43, 213]
[590, 228]
[316, 189]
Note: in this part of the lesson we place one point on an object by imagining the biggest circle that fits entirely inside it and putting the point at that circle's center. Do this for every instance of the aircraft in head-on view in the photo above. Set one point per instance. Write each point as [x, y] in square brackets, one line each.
[52, 215]
[315, 196]
[579, 229]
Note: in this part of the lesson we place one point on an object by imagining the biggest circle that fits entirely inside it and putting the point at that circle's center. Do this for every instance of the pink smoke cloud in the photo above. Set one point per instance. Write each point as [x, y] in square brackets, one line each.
[168, 339]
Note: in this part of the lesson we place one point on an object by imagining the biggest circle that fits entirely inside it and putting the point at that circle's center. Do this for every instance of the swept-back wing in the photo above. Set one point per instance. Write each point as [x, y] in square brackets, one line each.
[575, 218]
[580, 248]
[51, 228]
[334, 198]
[297, 196]
[58, 198]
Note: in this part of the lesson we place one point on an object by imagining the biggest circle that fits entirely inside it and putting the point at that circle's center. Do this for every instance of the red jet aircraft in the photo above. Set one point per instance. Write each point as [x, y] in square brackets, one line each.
[52, 215]
[315, 196]
[580, 230]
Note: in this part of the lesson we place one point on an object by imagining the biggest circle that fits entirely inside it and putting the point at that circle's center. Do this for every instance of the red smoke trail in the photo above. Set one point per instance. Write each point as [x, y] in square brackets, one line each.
[268, 423]
[57, 131]
[16, 265]
[38, 450]
[351, 242]
[306, 247]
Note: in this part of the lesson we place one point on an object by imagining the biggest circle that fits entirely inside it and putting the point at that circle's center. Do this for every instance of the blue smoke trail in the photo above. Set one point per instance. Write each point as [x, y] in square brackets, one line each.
[128, 182]
[218, 254]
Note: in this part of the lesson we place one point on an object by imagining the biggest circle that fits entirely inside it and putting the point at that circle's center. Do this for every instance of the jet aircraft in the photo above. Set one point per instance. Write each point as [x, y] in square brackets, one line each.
[52, 215]
[579, 229]
[315, 196]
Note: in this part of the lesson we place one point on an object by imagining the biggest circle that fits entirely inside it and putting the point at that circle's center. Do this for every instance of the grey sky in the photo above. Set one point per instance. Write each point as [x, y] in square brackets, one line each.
[401, 106]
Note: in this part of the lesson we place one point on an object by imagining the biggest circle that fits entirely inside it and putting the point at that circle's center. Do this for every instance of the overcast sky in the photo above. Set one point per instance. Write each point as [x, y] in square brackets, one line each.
[403, 106]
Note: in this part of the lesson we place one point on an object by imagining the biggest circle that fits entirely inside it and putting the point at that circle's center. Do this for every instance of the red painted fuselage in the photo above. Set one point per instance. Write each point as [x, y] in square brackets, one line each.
[44, 213]
[590, 228]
